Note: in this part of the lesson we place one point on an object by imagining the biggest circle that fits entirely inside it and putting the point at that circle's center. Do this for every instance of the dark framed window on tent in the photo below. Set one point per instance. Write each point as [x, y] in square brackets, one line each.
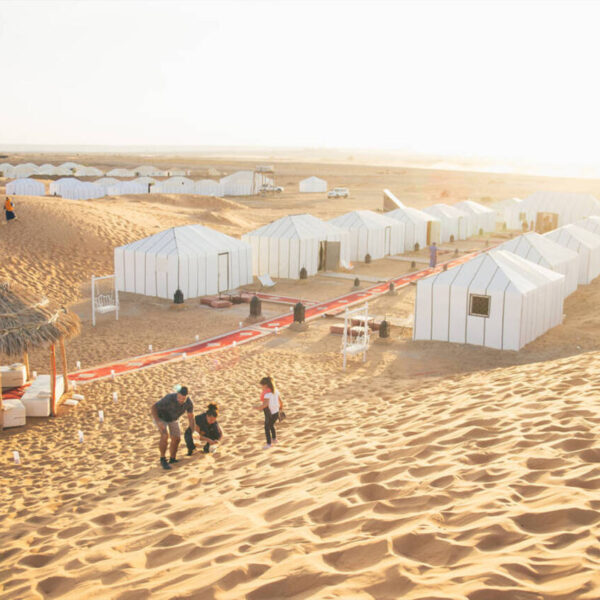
[479, 306]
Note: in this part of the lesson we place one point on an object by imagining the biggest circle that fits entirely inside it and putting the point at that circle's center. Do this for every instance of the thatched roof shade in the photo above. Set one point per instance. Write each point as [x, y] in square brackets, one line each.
[28, 322]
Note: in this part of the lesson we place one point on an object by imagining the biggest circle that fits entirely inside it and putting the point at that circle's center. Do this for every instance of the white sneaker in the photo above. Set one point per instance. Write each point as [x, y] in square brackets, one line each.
[267, 447]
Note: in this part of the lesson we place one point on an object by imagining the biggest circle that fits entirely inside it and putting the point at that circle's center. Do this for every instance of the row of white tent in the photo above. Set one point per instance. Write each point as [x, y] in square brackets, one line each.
[71, 168]
[509, 296]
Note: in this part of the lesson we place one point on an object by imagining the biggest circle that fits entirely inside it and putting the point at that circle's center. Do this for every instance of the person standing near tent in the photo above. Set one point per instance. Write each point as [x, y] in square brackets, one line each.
[433, 252]
[9, 210]
[270, 405]
[166, 413]
[207, 428]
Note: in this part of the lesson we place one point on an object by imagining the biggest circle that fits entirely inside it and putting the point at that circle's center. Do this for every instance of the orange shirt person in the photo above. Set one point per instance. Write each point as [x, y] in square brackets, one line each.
[9, 209]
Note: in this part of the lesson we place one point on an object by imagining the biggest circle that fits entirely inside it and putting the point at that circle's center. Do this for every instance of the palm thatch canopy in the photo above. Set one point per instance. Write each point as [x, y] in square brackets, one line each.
[27, 322]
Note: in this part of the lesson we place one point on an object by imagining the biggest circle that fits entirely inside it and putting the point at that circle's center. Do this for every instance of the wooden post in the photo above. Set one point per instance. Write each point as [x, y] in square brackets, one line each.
[63, 358]
[26, 363]
[53, 380]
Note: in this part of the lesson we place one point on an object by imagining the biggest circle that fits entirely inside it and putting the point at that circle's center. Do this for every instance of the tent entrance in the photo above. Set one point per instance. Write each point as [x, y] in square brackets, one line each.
[388, 241]
[223, 272]
[546, 221]
[329, 255]
[429, 233]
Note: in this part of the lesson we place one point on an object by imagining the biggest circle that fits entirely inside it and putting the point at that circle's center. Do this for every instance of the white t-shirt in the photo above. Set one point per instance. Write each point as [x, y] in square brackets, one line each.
[273, 399]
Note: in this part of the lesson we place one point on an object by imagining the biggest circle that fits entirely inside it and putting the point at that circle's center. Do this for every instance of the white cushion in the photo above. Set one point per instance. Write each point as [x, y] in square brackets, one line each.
[13, 375]
[14, 413]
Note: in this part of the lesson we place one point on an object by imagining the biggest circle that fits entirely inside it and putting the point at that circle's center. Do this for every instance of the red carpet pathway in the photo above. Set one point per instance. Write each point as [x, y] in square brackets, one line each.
[253, 332]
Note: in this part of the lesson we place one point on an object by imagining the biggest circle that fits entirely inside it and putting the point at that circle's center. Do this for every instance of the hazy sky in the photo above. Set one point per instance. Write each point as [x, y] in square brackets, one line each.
[514, 79]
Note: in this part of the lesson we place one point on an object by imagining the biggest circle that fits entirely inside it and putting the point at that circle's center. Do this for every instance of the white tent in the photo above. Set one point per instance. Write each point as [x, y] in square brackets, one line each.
[283, 247]
[455, 224]
[549, 210]
[419, 227]
[243, 183]
[509, 213]
[591, 224]
[149, 171]
[122, 188]
[46, 169]
[585, 243]
[25, 187]
[6, 170]
[313, 184]
[57, 187]
[484, 218]
[195, 259]
[543, 251]
[208, 187]
[497, 299]
[24, 170]
[88, 172]
[106, 182]
[121, 173]
[71, 166]
[175, 172]
[83, 191]
[174, 185]
[371, 233]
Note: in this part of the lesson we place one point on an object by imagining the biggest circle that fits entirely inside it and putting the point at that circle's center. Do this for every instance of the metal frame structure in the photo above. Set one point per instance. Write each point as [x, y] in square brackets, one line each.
[107, 303]
[361, 342]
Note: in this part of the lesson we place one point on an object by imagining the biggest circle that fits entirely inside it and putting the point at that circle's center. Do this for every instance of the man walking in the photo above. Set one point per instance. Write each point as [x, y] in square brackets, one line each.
[166, 413]
[9, 210]
[433, 252]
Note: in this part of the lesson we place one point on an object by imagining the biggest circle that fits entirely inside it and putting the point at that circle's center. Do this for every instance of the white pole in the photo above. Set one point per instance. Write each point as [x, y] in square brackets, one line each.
[116, 298]
[93, 305]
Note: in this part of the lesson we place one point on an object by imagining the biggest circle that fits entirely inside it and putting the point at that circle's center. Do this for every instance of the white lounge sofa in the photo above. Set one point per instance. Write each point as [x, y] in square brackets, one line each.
[37, 396]
[14, 413]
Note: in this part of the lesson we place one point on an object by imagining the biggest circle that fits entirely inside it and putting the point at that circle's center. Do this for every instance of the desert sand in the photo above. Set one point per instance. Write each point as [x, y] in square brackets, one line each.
[432, 471]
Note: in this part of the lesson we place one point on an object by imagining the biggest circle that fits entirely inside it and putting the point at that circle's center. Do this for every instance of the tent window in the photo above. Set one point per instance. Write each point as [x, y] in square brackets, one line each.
[480, 306]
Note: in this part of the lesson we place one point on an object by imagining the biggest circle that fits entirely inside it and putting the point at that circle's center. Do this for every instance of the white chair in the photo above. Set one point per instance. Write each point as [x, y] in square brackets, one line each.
[266, 280]
[346, 265]
[14, 413]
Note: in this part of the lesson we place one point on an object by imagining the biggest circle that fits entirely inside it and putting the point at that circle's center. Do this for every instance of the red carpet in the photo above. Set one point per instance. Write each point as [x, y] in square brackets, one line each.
[253, 332]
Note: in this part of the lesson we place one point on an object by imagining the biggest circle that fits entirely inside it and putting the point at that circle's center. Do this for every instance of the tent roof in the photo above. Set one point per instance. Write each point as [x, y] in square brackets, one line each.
[239, 176]
[583, 236]
[473, 208]
[296, 227]
[28, 322]
[444, 211]
[411, 214]
[359, 219]
[553, 253]
[313, 178]
[187, 240]
[507, 203]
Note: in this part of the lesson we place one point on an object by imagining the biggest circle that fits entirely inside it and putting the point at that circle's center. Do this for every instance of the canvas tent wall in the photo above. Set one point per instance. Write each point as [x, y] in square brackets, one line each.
[175, 172]
[195, 259]
[371, 233]
[243, 183]
[121, 173]
[149, 171]
[454, 223]
[419, 227]
[25, 187]
[46, 169]
[282, 248]
[312, 185]
[586, 244]
[106, 182]
[591, 224]
[83, 191]
[174, 185]
[543, 251]
[510, 213]
[550, 210]
[88, 172]
[483, 218]
[70, 165]
[24, 170]
[61, 185]
[123, 188]
[497, 299]
[208, 187]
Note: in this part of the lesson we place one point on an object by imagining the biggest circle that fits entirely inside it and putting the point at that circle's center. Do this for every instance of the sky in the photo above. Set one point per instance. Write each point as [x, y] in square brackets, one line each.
[516, 80]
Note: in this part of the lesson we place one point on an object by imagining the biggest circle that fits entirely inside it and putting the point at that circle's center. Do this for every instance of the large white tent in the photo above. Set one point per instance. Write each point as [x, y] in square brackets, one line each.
[497, 299]
[549, 210]
[455, 224]
[174, 185]
[149, 171]
[543, 251]
[61, 185]
[208, 187]
[586, 244]
[24, 170]
[83, 190]
[313, 184]
[123, 188]
[83, 171]
[509, 213]
[175, 172]
[420, 228]
[371, 233]
[194, 259]
[106, 182]
[46, 169]
[25, 187]
[70, 165]
[6, 170]
[243, 183]
[119, 172]
[484, 218]
[591, 224]
[282, 248]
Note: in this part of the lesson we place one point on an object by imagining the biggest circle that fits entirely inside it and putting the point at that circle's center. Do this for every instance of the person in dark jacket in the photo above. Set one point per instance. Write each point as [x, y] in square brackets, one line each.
[166, 413]
[207, 428]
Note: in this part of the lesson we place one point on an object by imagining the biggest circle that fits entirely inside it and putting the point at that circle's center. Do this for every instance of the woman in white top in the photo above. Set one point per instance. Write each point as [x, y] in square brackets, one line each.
[270, 405]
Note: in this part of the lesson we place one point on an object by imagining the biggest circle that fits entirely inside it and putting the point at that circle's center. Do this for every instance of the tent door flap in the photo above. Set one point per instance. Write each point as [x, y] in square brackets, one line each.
[223, 272]
[331, 257]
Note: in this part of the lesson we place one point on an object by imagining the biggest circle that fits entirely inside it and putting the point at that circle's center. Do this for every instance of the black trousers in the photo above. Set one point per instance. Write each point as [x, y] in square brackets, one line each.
[189, 440]
[270, 421]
